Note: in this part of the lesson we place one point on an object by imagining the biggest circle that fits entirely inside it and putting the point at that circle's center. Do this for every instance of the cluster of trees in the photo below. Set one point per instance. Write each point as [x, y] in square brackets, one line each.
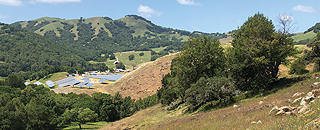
[36, 107]
[33, 56]
[205, 72]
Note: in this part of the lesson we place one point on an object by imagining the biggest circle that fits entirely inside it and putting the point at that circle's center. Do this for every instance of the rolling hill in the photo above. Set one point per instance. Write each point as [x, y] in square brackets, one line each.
[102, 35]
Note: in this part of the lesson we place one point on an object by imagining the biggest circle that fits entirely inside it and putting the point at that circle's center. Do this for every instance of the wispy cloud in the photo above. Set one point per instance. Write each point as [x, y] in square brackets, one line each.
[3, 16]
[57, 1]
[11, 2]
[307, 9]
[195, 28]
[188, 2]
[148, 12]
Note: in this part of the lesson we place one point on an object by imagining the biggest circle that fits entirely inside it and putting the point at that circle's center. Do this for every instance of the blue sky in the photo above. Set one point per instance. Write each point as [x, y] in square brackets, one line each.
[191, 15]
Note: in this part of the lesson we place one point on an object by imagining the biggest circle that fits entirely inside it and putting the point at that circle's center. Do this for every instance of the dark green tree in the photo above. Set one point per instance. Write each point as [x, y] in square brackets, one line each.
[77, 116]
[257, 52]
[15, 81]
[131, 57]
[297, 67]
[141, 54]
[201, 57]
[207, 90]
[112, 57]
[120, 65]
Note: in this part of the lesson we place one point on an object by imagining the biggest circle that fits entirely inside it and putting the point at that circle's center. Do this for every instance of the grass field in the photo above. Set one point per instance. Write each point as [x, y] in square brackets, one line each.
[89, 126]
[124, 58]
[301, 36]
[158, 49]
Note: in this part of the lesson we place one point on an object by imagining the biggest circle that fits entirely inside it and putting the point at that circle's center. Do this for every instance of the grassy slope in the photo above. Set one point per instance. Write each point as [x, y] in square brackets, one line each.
[144, 81]
[227, 118]
[88, 126]
[302, 36]
[53, 77]
[124, 58]
[139, 26]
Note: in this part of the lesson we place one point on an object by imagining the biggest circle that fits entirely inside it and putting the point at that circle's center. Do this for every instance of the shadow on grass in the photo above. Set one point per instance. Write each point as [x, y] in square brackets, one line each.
[274, 87]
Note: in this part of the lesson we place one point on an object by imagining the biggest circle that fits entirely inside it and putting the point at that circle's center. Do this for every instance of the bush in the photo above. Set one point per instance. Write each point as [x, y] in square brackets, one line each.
[141, 54]
[297, 67]
[153, 58]
[131, 57]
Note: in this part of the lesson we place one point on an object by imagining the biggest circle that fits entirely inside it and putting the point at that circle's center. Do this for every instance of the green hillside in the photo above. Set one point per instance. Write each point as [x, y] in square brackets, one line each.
[307, 36]
[102, 35]
[32, 55]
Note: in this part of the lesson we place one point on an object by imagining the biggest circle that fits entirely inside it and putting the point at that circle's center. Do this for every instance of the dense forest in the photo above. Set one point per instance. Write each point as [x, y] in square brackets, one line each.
[36, 107]
[33, 56]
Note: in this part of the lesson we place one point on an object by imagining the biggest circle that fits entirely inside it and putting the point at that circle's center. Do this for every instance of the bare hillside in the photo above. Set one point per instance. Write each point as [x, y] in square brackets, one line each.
[144, 81]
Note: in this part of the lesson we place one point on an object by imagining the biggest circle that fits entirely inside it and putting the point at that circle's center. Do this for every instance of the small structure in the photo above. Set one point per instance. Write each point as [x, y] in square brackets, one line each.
[118, 70]
[67, 82]
[37, 83]
[128, 70]
[50, 83]
[89, 85]
[26, 83]
[116, 62]
[83, 83]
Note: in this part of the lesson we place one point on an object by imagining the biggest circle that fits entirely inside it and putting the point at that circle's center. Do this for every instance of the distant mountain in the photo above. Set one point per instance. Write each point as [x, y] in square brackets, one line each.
[32, 55]
[103, 35]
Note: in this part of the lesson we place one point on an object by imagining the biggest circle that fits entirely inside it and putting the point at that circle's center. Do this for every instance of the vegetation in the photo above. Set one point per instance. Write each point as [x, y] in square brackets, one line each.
[120, 65]
[313, 54]
[257, 52]
[32, 56]
[131, 57]
[205, 72]
[36, 107]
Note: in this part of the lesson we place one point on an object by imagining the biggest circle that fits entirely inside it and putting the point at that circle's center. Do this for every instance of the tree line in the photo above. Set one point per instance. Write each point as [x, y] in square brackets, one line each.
[36, 107]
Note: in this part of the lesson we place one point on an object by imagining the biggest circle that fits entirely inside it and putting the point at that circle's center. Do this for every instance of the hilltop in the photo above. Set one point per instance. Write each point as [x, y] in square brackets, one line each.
[102, 35]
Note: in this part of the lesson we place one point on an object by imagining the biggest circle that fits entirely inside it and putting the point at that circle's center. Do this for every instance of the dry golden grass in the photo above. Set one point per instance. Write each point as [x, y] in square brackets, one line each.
[144, 81]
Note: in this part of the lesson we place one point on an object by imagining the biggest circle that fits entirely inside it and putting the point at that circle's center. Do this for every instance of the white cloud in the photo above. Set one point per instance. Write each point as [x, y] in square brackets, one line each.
[308, 9]
[58, 1]
[188, 2]
[146, 11]
[11, 2]
[4, 16]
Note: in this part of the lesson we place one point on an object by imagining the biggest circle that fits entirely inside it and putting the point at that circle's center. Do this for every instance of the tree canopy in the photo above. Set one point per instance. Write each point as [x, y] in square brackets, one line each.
[201, 57]
[257, 52]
